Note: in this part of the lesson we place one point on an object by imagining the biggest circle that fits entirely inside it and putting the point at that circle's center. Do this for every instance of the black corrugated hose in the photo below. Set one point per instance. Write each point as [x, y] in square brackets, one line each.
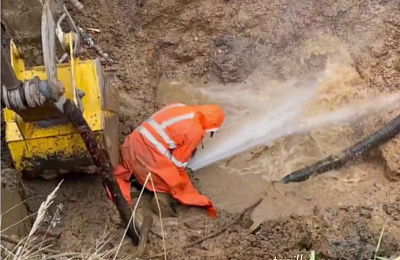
[336, 161]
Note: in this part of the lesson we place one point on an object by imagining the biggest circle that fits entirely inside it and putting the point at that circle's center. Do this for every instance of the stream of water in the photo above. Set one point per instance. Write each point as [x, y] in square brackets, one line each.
[261, 110]
[265, 117]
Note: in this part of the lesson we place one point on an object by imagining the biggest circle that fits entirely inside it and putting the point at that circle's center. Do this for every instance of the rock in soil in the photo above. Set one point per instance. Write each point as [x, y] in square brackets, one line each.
[391, 157]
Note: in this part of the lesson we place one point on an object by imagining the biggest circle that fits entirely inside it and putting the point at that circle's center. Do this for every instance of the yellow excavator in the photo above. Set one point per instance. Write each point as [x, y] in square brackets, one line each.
[62, 116]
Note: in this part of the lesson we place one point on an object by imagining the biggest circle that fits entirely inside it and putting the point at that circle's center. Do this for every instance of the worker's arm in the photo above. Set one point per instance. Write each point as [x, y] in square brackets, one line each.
[184, 152]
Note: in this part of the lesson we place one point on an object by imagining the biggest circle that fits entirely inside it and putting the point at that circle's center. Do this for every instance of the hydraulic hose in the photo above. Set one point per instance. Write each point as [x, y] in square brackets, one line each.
[8, 77]
[72, 112]
[336, 161]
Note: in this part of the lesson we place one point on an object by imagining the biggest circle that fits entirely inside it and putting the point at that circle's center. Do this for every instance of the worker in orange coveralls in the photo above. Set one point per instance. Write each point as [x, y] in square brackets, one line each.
[163, 145]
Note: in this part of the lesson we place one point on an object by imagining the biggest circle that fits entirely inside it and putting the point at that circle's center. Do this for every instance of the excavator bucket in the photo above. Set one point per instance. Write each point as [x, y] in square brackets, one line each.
[45, 144]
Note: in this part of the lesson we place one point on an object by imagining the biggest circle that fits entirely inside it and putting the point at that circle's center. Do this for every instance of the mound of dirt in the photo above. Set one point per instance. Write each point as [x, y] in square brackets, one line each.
[345, 233]
[226, 41]
[391, 157]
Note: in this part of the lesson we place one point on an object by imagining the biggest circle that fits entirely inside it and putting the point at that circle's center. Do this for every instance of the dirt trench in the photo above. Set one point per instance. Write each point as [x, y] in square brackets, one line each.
[226, 42]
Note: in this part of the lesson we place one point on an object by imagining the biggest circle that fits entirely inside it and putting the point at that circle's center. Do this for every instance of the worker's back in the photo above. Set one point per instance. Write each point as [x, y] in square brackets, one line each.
[165, 142]
[163, 145]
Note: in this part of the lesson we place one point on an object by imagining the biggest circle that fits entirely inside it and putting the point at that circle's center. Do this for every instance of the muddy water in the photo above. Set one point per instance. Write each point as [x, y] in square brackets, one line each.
[235, 168]
[258, 113]
[12, 212]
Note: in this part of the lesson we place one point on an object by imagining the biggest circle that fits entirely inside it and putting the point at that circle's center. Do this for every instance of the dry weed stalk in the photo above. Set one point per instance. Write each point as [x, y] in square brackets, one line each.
[26, 248]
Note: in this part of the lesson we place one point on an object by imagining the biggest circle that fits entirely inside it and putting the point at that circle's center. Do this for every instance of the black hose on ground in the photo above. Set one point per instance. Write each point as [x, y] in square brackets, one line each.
[336, 161]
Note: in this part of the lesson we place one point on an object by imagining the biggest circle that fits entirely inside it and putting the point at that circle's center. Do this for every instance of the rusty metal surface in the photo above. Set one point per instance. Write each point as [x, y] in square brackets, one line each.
[110, 107]
[109, 90]
[111, 136]
[54, 165]
[46, 112]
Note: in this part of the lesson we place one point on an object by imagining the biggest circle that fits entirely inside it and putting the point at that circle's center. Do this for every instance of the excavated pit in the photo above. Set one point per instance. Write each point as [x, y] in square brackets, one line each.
[166, 48]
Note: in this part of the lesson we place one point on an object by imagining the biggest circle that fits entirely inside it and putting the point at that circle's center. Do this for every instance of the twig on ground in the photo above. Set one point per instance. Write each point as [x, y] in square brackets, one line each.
[110, 69]
[132, 217]
[144, 234]
[189, 226]
[94, 30]
[380, 239]
[156, 234]
[89, 42]
[214, 234]
[160, 215]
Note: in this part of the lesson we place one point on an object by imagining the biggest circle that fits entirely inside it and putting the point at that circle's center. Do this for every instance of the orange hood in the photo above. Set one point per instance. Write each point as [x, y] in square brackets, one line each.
[212, 117]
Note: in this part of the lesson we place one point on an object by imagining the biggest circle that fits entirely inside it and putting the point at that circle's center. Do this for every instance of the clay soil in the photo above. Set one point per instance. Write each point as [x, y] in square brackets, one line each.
[225, 42]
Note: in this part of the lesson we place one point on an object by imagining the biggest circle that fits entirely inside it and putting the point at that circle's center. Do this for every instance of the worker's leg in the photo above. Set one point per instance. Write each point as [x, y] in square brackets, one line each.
[166, 203]
[139, 176]
[135, 183]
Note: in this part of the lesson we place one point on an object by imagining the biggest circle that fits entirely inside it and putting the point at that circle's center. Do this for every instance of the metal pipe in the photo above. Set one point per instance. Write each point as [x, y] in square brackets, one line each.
[31, 93]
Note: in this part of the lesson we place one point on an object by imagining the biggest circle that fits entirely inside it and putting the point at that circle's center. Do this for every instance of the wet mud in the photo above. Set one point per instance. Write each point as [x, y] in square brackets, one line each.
[339, 215]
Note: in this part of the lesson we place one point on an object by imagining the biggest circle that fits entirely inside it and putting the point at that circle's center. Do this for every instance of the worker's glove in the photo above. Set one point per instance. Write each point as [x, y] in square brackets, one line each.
[189, 171]
[194, 153]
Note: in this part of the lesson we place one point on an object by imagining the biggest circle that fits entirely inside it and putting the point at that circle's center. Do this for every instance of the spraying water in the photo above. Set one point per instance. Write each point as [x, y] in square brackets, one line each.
[259, 116]
[241, 136]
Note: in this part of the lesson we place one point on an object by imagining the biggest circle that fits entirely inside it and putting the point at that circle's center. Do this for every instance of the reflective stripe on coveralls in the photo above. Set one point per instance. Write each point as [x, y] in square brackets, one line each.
[168, 107]
[145, 150]
[143, 131]
[159, 128]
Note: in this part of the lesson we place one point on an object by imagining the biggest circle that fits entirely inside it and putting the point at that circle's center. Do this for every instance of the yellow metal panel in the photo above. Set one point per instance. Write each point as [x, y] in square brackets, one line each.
[20, 130]
[42, 147]
[50, 155]
[12, 132]
[16, 62]
[88, 82]
[37, 148]
[91, 102]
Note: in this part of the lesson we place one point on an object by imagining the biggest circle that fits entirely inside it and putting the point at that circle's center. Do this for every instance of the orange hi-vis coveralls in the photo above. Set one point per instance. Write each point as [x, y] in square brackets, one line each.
[163, 145]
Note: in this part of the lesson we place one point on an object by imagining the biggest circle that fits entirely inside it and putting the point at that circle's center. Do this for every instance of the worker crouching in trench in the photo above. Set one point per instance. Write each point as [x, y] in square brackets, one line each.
[163, 146]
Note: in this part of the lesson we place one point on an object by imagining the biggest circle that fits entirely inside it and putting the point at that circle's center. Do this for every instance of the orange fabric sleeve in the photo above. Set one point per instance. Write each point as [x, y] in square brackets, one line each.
[184, 152]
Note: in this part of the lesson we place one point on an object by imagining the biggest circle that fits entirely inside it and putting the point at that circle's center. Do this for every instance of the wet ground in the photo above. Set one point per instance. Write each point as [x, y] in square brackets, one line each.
[221, 44]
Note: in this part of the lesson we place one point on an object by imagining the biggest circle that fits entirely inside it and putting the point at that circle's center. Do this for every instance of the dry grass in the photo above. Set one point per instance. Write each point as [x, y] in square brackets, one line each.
[379, 244]
[384, 258]
[29, 247]
[33, 247]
